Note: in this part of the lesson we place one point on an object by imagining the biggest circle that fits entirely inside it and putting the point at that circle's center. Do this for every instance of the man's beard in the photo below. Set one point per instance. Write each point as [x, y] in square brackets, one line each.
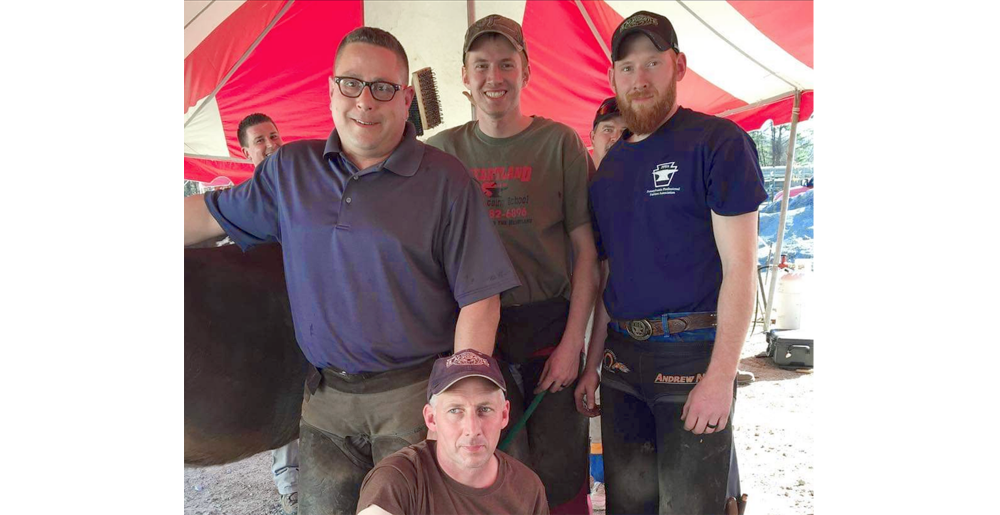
[647, 119]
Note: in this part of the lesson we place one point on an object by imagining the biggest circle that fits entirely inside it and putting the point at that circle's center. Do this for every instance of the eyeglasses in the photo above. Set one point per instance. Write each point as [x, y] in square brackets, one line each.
[380, 90]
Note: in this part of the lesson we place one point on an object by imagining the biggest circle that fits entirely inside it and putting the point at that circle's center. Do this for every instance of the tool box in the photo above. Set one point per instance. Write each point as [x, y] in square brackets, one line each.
[790, 349]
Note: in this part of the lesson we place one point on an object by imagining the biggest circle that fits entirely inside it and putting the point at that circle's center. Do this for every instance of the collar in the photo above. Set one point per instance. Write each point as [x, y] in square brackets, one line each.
[404, 159]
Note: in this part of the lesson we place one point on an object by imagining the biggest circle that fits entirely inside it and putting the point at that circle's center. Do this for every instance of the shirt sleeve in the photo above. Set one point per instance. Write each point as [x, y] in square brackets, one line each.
[579, 169]
[388, 488]
[541, 503]
[474, 257]
[734, 180]
[248, 212]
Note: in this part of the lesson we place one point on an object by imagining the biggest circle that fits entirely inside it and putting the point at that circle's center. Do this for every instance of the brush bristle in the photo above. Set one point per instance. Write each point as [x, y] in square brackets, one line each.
[428, 102]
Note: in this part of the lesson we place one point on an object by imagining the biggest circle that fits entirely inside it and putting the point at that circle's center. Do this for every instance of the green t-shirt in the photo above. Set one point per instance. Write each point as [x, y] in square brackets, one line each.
[535, 184]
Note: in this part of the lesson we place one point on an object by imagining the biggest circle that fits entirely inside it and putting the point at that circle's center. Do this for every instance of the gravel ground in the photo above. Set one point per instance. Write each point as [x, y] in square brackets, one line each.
[774, 441]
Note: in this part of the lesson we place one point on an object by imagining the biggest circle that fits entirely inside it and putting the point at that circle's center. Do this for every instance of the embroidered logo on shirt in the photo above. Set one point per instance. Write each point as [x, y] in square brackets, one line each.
[465, 358]
[660, 378]
[663, 175]
[611, 363]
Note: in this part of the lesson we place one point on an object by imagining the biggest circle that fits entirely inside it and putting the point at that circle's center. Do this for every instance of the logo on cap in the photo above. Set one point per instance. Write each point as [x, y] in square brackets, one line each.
[637, 20]
[466, 358]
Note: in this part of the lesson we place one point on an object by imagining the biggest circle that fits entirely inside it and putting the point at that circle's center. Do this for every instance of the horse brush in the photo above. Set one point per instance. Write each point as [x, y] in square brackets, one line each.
[425, 111]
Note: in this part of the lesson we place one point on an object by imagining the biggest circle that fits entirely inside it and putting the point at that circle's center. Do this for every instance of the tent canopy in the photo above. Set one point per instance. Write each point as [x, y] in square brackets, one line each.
[746, 60]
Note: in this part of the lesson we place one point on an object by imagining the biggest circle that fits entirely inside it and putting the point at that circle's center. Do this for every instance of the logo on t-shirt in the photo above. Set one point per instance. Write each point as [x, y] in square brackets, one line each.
[663, 175]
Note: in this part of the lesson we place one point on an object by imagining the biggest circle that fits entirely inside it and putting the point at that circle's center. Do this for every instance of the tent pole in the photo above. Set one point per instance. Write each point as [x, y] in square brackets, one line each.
[772, 267]
[470, 9]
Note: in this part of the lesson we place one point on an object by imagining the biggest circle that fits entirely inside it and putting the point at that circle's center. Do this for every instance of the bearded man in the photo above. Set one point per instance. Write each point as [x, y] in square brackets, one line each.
[678, 264]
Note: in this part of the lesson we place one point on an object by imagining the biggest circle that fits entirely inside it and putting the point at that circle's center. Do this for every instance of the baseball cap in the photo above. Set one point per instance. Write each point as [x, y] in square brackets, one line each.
[656, 26]
[509, 28]
[608, 109]
[465, 363]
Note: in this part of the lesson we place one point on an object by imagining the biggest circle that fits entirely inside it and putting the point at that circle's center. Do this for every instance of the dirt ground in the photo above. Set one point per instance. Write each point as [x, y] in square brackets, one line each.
[774, 441]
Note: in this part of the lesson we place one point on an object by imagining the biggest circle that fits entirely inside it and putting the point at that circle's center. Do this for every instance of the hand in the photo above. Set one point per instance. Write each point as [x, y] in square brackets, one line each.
[585, 394]
[709, 403]
[560, 369]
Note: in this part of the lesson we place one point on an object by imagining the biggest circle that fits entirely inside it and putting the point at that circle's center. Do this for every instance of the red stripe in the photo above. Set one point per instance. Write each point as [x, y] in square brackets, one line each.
[286, 76]
[789, 24]
[207, 64]
[204, 170]
[779, 112]
[568, 68]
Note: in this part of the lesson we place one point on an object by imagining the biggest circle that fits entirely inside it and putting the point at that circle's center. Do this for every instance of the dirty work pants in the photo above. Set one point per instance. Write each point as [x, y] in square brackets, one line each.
[651, 463]
[285, 467]
[554, 442]
[348, 425]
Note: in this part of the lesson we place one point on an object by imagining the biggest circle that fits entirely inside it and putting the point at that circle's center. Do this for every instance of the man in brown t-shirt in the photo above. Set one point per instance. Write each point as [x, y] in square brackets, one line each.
[461, 472]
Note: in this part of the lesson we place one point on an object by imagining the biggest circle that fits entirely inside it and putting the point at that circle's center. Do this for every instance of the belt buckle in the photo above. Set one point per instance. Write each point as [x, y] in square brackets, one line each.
[639, 329]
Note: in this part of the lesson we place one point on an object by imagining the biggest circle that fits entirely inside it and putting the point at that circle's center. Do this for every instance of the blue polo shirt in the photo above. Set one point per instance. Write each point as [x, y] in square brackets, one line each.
[378, 261]
[652, 205]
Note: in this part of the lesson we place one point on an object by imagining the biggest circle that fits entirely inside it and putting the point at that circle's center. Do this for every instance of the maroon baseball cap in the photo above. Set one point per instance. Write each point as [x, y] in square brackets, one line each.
[608, 109]
[465, 363]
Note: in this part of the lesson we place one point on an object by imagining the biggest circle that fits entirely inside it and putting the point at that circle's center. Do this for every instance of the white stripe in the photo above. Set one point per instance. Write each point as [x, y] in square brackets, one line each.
[432, 34]
[716, 59]
[206, 21]
[203, 136]
[725, 19]
[593, 30]
[513, 10]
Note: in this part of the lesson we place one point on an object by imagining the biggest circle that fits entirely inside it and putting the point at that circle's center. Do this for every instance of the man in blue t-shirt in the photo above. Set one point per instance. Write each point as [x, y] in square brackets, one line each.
[675, 219]
[390, 261]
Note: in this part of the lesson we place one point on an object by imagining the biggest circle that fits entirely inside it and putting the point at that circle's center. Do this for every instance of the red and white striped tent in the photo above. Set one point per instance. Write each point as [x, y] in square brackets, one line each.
[747, 61]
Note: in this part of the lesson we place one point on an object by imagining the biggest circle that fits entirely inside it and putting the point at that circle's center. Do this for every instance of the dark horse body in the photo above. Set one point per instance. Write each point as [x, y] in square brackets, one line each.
[243, 370]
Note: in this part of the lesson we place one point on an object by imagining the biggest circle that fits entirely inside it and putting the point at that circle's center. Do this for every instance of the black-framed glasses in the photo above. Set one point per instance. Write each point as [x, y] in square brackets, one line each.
[380, 90]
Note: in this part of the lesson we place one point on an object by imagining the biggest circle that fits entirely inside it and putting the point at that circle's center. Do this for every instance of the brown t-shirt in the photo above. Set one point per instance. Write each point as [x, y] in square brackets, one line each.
[535, 184]
[410, 482]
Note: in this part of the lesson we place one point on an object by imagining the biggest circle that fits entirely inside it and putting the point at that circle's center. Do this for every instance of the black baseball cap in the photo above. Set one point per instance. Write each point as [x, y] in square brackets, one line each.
[656, 26]
[608, 109]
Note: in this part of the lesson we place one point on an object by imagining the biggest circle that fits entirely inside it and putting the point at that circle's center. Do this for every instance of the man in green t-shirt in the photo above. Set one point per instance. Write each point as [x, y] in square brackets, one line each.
[533, 172]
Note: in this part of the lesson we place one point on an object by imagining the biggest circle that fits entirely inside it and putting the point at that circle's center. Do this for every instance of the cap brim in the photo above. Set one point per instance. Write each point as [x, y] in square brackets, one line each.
[514, 43]
[658, 41]
[490, 379]
[607, 116]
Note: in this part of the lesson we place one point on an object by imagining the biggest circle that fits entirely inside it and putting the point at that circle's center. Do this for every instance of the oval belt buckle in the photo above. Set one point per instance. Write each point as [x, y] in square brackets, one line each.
[639, 329]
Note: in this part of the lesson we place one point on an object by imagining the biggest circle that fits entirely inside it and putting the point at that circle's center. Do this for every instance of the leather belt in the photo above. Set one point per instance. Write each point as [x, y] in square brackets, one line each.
[645, 328]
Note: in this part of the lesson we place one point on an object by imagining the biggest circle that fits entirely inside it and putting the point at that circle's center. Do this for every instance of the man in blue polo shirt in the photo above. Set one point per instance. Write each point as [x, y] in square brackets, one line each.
[675, 217]
[390, 261]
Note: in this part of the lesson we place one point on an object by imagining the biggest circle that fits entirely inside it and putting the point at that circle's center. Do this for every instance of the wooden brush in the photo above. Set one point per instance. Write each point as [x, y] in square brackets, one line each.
[425, 111]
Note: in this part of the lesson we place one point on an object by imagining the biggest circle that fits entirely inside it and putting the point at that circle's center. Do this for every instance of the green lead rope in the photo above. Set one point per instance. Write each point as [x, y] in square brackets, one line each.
[520, 423]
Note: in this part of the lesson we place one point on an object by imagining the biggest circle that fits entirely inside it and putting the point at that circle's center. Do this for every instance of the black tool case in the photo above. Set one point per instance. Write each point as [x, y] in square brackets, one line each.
[790, 349]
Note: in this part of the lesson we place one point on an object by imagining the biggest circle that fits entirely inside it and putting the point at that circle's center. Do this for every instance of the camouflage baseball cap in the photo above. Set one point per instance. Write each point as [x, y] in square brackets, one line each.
[507, 27]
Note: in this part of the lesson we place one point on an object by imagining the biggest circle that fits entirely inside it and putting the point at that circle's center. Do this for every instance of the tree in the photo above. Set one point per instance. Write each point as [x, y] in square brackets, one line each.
[772, 144]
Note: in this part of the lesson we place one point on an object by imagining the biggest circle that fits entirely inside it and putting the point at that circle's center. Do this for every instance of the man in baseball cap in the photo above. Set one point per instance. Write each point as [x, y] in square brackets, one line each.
[533, 172]
[466, 408]
[608, 127]
[693, 185]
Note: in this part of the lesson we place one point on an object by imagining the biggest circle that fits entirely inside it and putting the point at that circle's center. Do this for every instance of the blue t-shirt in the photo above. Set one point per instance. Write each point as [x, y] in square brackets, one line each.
[378, 261]
[652, 205]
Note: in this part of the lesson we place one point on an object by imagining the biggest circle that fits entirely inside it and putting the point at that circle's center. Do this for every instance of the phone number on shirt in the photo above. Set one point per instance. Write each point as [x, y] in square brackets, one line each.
[514, 212]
